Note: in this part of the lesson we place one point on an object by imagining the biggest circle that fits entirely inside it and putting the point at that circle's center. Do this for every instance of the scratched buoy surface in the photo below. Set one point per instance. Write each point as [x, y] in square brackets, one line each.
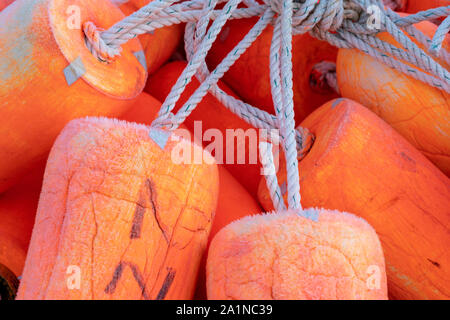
[117, 218]
[48, 76]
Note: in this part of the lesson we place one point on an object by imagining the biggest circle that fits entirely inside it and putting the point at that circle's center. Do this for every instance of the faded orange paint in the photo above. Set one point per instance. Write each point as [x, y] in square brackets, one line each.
[213, 115]
[419, 112]
[285, 255]
[249, 77]
[36, 101]
[359, 164]
[114, 204]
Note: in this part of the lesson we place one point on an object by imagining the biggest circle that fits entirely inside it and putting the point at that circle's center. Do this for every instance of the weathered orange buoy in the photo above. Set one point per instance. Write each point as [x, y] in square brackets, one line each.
[17, 211]
[234, 203]
[213, 115]
[42, 55]
[123, 219]
[5, 3]
[359, 164]
[416, 110]
[160, 44]
[249, 77]
[315, 254]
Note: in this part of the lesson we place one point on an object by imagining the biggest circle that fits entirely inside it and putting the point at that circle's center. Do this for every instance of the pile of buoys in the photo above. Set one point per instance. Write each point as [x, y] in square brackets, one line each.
[106, 194]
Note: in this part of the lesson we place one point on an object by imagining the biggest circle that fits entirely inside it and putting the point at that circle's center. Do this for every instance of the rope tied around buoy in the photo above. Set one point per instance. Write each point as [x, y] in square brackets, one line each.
[343, 23]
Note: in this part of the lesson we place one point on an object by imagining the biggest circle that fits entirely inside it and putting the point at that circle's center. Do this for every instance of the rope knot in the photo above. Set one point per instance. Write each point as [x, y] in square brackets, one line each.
[97, 45]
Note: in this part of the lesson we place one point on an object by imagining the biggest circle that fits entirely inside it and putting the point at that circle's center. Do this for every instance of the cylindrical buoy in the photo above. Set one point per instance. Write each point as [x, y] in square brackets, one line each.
[359, 164]
[210, 114]
[419, 112]
[17, 212]
[160, 44]
[309, 255]
[234, 203]
[249, 76]
[118, 218]
[48, 76]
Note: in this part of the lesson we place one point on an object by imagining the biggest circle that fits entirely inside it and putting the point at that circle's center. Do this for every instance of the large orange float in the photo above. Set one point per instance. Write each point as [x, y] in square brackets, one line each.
[419, 112]
[126, 221]
[359, 164]
[42, 55]
[161, 43]
[315, 254]
[249, 77]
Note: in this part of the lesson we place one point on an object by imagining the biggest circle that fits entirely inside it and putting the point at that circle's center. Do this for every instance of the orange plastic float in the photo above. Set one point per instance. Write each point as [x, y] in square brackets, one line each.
[211, 114]
[41, 90]
[249, 77]
[126, 221]
[419, 112]
[316, 254]
[359, 164]
[17, 212]
[159, 45]
[413, 6]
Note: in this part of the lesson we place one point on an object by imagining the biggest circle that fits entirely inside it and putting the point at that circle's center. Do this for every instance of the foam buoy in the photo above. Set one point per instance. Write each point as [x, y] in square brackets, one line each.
[117, 217]
[308, 255]
[49, 76]
[359, 164]
[419, 112]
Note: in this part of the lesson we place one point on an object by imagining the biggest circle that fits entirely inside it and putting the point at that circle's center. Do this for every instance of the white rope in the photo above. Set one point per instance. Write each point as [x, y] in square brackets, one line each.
[342, 23]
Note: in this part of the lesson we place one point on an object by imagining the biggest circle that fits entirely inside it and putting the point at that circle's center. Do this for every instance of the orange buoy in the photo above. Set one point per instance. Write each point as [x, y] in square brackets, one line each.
[211, 114]
[359, 164]
[249, 77]
[5, 3]
[48, 76]
[416, 110]
[17, 212]
[117, 217]
[234, 203]
[315, 254]
[159, 45]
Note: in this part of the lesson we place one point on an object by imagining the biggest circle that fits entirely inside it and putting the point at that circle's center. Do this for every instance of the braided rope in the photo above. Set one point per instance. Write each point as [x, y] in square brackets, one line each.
[342, 23]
